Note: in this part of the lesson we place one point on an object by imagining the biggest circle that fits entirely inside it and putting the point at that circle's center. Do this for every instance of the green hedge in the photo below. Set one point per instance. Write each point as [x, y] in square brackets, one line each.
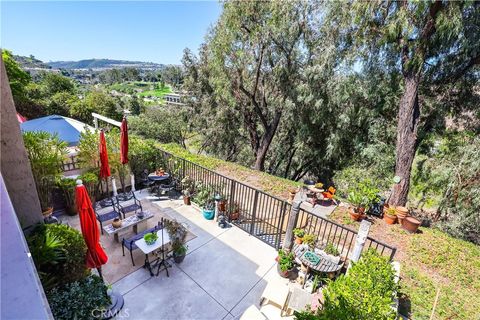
[82, 299]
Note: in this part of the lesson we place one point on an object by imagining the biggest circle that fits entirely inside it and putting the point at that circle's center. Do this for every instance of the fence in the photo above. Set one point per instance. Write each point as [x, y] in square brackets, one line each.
[265, 216]
[70, 164]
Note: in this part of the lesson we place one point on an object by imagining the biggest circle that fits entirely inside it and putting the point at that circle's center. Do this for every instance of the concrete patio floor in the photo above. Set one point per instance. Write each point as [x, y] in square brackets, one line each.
[224, 274]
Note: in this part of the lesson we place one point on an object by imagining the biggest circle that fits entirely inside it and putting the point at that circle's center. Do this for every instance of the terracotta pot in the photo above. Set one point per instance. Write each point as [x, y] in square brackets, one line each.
[411, 224]
[291, 196]
[186, 200]
[116, 223]
[298, 240]
[402, 213]
[283, 274]
[357, 215]
[48, 212]
[390, 219]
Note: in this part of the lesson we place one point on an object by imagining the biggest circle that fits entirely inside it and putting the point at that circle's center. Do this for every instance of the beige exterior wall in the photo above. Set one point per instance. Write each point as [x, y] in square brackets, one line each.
[15, 166]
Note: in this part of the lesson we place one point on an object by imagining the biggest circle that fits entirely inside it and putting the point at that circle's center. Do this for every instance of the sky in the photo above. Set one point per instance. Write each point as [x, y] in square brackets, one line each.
[140, 31]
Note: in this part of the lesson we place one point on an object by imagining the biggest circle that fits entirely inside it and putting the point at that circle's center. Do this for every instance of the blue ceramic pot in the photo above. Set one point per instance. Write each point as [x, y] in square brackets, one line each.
[208, 214]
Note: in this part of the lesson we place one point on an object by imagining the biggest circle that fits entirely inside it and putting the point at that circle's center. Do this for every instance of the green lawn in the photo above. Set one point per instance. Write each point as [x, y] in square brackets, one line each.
[143, 89]
[156, 92]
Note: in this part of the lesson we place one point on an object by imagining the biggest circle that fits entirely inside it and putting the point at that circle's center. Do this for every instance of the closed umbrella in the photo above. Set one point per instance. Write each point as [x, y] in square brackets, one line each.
[104, 167]
[124, 141]
[96, 256]
[124, 158]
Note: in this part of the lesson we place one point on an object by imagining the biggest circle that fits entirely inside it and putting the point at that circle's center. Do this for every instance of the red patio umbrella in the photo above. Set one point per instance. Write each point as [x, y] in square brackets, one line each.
[124, 141]
[104, 167]
[96, 256]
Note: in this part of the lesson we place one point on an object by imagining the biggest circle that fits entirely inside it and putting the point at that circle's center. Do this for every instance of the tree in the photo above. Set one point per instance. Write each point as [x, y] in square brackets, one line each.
[53, 83]
[135, 106]
[17, 78]
[253, 59]
[173, 75]
[102, 103]
[435, 47]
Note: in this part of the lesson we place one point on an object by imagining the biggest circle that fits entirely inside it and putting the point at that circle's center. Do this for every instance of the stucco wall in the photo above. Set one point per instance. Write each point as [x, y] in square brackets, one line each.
[14, 163]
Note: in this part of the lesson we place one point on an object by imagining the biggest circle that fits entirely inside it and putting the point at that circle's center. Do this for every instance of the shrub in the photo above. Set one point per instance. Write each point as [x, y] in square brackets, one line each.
[59, 254]
[79, 300]
[367, 292]
[143, 154]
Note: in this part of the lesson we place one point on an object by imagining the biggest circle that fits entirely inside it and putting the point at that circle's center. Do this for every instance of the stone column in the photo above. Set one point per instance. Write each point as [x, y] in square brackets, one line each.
[14, 163]
[291, 224]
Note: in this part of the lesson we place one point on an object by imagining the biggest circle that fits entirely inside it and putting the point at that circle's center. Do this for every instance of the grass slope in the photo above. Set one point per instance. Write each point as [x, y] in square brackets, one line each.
[431, 260]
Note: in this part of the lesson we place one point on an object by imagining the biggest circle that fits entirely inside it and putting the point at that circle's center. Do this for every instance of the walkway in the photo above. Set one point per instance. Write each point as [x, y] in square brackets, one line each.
[224, 274]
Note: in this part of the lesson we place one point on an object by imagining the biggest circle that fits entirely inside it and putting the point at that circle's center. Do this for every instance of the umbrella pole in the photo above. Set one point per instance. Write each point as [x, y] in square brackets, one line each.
[106, 182]
[99, 269]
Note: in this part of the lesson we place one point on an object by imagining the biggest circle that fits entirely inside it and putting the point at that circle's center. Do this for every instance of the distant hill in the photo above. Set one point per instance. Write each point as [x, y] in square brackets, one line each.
[30, 62]
[103, 64]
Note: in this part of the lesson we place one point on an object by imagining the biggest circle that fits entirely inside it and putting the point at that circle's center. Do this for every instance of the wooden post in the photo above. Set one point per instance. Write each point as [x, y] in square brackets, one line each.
[360, 241]
[292, 223]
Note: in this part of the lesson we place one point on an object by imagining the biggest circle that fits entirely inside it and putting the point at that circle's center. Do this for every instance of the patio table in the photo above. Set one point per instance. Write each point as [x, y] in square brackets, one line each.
[325, 264]
[152, 248]
[138, 224]
[154, 177]
[158, 180]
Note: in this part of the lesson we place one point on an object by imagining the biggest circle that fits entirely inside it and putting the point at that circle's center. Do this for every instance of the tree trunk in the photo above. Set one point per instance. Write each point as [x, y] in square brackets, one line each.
[407, 128]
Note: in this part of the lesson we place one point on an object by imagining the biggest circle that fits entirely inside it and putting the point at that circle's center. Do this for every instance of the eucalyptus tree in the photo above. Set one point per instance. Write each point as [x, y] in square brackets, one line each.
[252, 62]
[435, 46]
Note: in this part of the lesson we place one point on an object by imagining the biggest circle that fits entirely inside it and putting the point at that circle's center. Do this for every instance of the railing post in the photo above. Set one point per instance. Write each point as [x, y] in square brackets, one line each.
[360, 241]
[292, 222]
[232, 197]
[184, 170]
[279, 228]
[254, 212]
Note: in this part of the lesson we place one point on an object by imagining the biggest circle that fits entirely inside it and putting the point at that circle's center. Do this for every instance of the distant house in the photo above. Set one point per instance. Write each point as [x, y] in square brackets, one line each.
[174, 99]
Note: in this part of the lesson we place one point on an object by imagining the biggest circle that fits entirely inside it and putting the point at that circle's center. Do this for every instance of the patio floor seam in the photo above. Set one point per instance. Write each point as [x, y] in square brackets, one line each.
[198, 284]
[250, 290]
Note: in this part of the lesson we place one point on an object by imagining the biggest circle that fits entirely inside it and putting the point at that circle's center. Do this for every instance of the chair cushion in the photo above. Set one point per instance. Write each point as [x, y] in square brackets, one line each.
[107, 216]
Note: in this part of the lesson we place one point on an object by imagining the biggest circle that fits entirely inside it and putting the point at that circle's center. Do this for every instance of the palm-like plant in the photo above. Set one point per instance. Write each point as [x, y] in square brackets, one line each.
[46, 153]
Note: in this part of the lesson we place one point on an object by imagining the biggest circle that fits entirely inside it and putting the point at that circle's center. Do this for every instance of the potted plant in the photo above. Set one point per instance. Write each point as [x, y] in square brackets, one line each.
[390, 215]
[150, 238]
[208, 210]
[285, 263]
[362, 197]
[310, 240]
[187, 189]
[67, 185]
[177, 233]
[234, 210]
[299, 234]
[46, 153]
[358, 205]
[332, 253]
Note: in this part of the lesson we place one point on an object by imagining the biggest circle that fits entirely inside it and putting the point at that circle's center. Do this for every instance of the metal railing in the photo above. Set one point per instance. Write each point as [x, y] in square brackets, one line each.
[265, 216]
